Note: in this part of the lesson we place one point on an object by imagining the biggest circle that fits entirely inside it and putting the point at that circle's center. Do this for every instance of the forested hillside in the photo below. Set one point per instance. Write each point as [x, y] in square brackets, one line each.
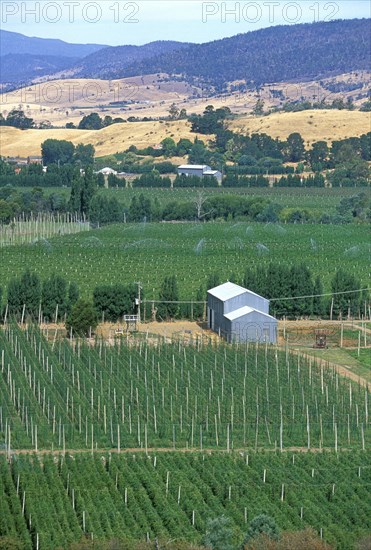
[25, 67]
[111, 62]
[275, 54]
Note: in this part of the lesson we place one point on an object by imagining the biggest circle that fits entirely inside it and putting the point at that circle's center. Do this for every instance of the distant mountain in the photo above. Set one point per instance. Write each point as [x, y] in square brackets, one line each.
[15, 43]
[24, 67]
[274, 54]
[113, 61]
[24, 59]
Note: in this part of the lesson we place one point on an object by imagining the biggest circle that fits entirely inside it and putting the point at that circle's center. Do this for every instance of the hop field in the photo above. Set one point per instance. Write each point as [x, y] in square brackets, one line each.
[51, 502]
[147, 252]
[55, 396]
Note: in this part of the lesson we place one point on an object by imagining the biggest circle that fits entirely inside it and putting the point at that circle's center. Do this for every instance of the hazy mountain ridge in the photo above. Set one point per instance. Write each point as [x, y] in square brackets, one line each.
[25, 67]
[275, 54]
[112, 61]
[24, 59]
[16, 43]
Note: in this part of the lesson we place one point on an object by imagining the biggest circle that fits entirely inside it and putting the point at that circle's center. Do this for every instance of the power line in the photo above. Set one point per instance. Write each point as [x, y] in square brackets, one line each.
[318, 295]
[271, 300]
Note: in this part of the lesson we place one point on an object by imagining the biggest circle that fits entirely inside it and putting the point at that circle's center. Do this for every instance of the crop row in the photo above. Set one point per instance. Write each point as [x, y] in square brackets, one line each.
[51, 503]
[148, 252]
[54, 395]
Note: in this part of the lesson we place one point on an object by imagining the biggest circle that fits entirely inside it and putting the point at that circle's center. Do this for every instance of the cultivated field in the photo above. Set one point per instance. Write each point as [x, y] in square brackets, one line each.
[224, 403]
[170, 496]
[56, 396]
[148, 252]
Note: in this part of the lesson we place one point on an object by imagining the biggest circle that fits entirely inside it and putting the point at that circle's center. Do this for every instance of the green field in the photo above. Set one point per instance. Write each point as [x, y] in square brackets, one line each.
[171, 496]
[241, 412]
[148, 252]
[172, 396]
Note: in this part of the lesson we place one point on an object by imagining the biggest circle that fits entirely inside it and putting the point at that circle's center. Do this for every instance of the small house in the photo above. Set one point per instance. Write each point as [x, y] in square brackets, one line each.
[199, 170]
[240, 315]
[35, 160]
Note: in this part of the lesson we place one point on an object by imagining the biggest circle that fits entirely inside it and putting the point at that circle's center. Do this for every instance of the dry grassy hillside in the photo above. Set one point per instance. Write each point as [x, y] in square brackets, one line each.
[112, 139]
[62, 101]
[328, 125]
[312, 125]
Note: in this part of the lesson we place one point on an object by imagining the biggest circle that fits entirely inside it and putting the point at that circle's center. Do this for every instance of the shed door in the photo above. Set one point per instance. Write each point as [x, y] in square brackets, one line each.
[211, 318]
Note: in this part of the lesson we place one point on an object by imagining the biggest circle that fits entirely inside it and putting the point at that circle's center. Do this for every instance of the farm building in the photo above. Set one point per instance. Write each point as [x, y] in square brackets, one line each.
[240, 315]
[106, 171]
[35, 160]
[200, 170]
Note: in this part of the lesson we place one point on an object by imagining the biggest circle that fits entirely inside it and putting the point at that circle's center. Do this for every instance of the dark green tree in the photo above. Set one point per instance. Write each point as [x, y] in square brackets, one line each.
[301, 285]
[114, 301]
[344, 299]
[7, 211]
[140, 208]
[319, 306]
[169, 147]
[31, 292]
[54, 292]
[295, 147]
[15, 298]
[18, 119]
[219, 534]
[259, 525]
[318, 155]
[91, 122]
[184, 145]
[100, 180]
[168, 293]
[73, 296]
[213, 280]
[198, 154]
[74, 204]
[278, 287]
[82, 319]
[5, 168]
[198, 309]
[84, 154]
[25, 291]
[88, 189]
[250, 279]
[57, 151]
[366, 106]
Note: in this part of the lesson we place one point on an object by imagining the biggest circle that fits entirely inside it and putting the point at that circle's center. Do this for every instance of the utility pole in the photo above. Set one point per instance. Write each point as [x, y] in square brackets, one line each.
[138, 299]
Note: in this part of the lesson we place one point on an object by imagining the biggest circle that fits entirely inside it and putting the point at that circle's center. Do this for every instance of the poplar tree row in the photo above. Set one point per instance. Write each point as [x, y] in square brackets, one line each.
[294, 292]
[49, 300]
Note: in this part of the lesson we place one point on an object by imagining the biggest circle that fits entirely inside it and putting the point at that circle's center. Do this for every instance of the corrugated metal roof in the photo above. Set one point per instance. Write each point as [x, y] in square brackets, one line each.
[194, 166]
[245, 310]
[226, 291]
